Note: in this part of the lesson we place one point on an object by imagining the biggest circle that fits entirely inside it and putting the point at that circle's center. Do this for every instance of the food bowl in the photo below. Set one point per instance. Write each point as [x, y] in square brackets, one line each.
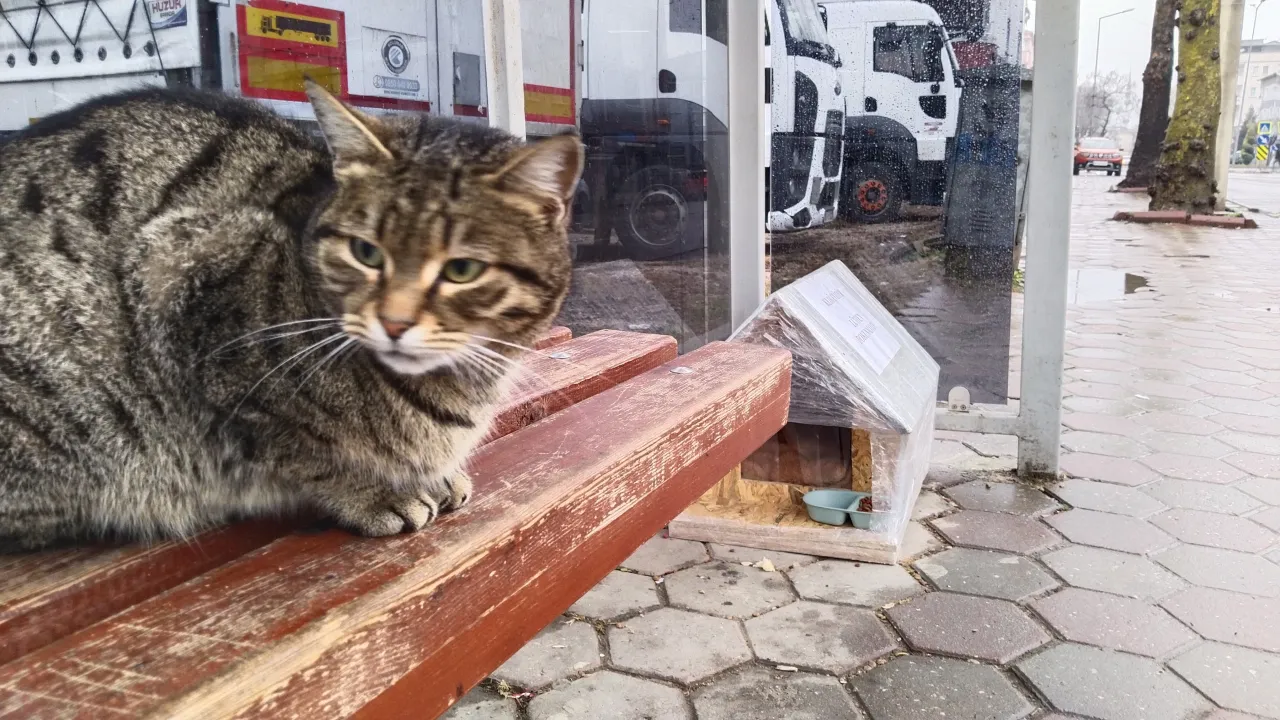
[836, 507]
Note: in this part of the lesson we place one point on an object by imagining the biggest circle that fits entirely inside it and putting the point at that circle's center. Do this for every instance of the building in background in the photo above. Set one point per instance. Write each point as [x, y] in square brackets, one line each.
[1269, 98]
[1259, 58]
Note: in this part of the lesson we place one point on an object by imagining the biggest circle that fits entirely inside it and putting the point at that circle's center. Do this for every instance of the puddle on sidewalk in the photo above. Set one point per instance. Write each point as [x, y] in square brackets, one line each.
[1088, 286]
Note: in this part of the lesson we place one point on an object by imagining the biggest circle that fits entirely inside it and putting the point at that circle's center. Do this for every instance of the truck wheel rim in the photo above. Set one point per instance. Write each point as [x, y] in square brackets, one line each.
[873, 196]
[658, 215]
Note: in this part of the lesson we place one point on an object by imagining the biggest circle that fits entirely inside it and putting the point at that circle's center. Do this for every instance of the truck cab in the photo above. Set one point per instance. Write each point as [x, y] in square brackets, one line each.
[806, 110]
[902, 103]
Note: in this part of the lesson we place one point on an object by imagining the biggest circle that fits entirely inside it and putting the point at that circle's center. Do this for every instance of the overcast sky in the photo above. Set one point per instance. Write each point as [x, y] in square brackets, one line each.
[1126, 39]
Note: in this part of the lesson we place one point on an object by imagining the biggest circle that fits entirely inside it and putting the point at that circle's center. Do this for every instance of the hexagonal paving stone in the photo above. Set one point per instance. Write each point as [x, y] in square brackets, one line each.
[660, 555]
[1229, 617]
[1114, 622]
[1221, 531]
[1113, 532]
[1099, 423]
[1189, 467]
[1269, 518]
[482, 704]
[728, 590]
[610, 695]
[677, 645]
[985, 572]
[996, 531]
[1113, 572]
[1234, 677]
[823, 637]
[739, 554]
[1117, 446]
[1108, 469]
[920, 688]
[1249, 423]
[1184, 444]
[1267, 444]
[1257, 464]
[1223, 569]
[1001, 497]
[1201, 496]
[1106, 497]
[851, 583]
[755, 693]
[618, 594]
[1268, 491]
[1109, 685]
[967, 627]
[917, 541]
[562, 649]
[930, 505]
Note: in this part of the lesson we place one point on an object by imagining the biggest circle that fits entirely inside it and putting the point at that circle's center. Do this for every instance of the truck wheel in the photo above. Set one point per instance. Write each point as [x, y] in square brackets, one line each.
[651, 215]
[1075, 169]
[873, 193]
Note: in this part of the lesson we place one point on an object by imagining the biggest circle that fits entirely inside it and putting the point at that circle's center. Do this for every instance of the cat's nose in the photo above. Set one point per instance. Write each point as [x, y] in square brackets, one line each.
[394, 328]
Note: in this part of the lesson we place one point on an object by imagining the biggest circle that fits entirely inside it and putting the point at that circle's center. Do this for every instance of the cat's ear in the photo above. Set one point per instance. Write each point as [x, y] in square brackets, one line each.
[549, 168]
[352, 135]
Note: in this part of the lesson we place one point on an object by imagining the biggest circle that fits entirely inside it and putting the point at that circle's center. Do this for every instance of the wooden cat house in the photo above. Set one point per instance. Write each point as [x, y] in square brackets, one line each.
[863, 394]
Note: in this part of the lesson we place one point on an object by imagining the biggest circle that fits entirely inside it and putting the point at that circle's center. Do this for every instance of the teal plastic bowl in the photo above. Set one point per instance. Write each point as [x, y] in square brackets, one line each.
[836, 507]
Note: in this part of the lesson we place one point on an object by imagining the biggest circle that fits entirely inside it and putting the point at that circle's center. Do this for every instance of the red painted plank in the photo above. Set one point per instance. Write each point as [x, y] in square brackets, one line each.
[46, 596]
[553, 337]
[318, 625]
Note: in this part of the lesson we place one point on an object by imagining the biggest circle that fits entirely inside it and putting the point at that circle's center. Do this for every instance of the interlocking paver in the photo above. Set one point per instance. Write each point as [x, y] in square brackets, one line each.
[1223, 569]
[1109, 685]
[1234, 677]
[850, 583]
[1269, 518]
[1268, 491]
[915, 688]
[991, 445]
[1177, 423]
[1106, 497]
[482, 704]
[740, 554]
[1265, 444]
[1111, 621]
[1242, 407]
[917, 541]
[1249, 423]
[987, 573]
[1229, 617]
[1108, 469]
[755, 693]
[930, 504]
[677, 645]
[1190, 467]
[1113, 532]
[1214, 530]
[1258, 464]
[823, 637]
[610, 695]
[1117, 446]
[1197, 445]
[1113, 572]
[728, 590]
[968, 627]
[661, 555]
[996, 531]
[1100, 423]
[561, 650]
[1201, 496]
[1001, 497]
[1242, 392]
[618, 594]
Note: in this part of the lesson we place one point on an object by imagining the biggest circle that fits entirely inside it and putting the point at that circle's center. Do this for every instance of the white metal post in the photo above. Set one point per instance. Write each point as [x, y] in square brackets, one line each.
[1231, 23]
[504, 67]
[1048, 234]
[747, 126]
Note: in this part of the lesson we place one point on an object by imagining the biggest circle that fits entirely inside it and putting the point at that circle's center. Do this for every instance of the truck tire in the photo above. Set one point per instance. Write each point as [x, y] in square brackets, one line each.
[651, 213]
[873, 193]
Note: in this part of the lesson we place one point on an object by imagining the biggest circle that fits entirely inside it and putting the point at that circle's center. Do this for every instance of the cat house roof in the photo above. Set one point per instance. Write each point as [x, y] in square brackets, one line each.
[853, 364]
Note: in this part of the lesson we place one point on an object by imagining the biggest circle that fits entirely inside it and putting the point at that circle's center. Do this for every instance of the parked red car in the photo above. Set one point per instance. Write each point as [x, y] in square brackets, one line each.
[1098, 153]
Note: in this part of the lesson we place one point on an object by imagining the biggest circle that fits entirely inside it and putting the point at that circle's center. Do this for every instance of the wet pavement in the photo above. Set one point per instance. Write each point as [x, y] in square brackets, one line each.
[1145, 585]
[1256, 189]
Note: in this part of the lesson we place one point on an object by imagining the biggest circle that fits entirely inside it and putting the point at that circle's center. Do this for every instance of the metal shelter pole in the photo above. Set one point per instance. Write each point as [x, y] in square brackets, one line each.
[1048, 234]
[747, 126]
[504, 67]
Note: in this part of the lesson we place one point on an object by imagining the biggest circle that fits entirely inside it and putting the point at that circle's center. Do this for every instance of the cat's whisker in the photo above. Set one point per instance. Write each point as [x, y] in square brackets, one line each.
[296, 357]
[323, 361]
[320, 323]
[525, 348]
[272, 338]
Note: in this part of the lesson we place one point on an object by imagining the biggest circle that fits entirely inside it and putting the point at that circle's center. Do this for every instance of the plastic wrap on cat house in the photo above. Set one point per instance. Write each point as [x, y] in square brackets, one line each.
[854, 370]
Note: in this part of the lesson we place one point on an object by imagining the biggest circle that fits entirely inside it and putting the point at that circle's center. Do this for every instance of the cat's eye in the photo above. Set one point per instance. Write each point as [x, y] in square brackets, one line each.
[366, 253]
[463, 270]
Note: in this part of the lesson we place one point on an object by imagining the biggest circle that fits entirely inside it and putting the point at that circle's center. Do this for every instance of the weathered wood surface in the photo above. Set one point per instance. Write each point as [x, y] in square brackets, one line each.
[45, 596]
[801, 535]
[554, 336]
[319, 625]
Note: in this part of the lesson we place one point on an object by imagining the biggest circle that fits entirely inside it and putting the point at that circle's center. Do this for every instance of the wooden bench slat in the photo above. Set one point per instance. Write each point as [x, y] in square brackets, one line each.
[45, 596]
[554, 336]
[318, 625]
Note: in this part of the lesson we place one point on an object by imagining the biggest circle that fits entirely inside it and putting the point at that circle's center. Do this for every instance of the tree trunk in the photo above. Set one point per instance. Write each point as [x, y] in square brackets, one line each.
[1153, 118]
[1184, 177]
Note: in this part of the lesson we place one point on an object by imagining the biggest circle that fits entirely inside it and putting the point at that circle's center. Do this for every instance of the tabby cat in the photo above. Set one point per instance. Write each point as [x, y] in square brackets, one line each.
[207, 314]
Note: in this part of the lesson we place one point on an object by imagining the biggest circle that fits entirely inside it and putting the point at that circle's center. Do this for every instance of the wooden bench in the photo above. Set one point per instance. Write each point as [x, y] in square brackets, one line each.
[609, 437]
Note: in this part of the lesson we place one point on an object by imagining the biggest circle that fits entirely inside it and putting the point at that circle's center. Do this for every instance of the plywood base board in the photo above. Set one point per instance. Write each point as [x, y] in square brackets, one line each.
[846, 543]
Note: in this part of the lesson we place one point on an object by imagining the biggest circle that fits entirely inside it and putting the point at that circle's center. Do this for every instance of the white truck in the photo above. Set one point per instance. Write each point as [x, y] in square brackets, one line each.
[902, 103]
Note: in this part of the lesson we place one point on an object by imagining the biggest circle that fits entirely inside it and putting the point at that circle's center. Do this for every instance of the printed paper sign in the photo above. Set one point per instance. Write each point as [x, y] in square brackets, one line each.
[851, 319]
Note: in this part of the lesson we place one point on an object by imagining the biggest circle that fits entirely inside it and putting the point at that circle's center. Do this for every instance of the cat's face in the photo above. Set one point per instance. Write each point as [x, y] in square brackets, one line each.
[442, 239]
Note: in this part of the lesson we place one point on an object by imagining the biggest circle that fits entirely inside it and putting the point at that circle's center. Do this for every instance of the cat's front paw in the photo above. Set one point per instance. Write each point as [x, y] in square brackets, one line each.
[459, 491]
[389, 515]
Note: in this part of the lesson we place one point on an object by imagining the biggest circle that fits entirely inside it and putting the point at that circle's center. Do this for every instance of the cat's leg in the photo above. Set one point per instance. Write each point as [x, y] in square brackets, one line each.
[377, 510]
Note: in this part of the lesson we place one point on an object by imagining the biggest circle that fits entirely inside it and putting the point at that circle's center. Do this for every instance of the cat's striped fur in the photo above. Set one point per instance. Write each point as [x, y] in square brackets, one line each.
[149, 240]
